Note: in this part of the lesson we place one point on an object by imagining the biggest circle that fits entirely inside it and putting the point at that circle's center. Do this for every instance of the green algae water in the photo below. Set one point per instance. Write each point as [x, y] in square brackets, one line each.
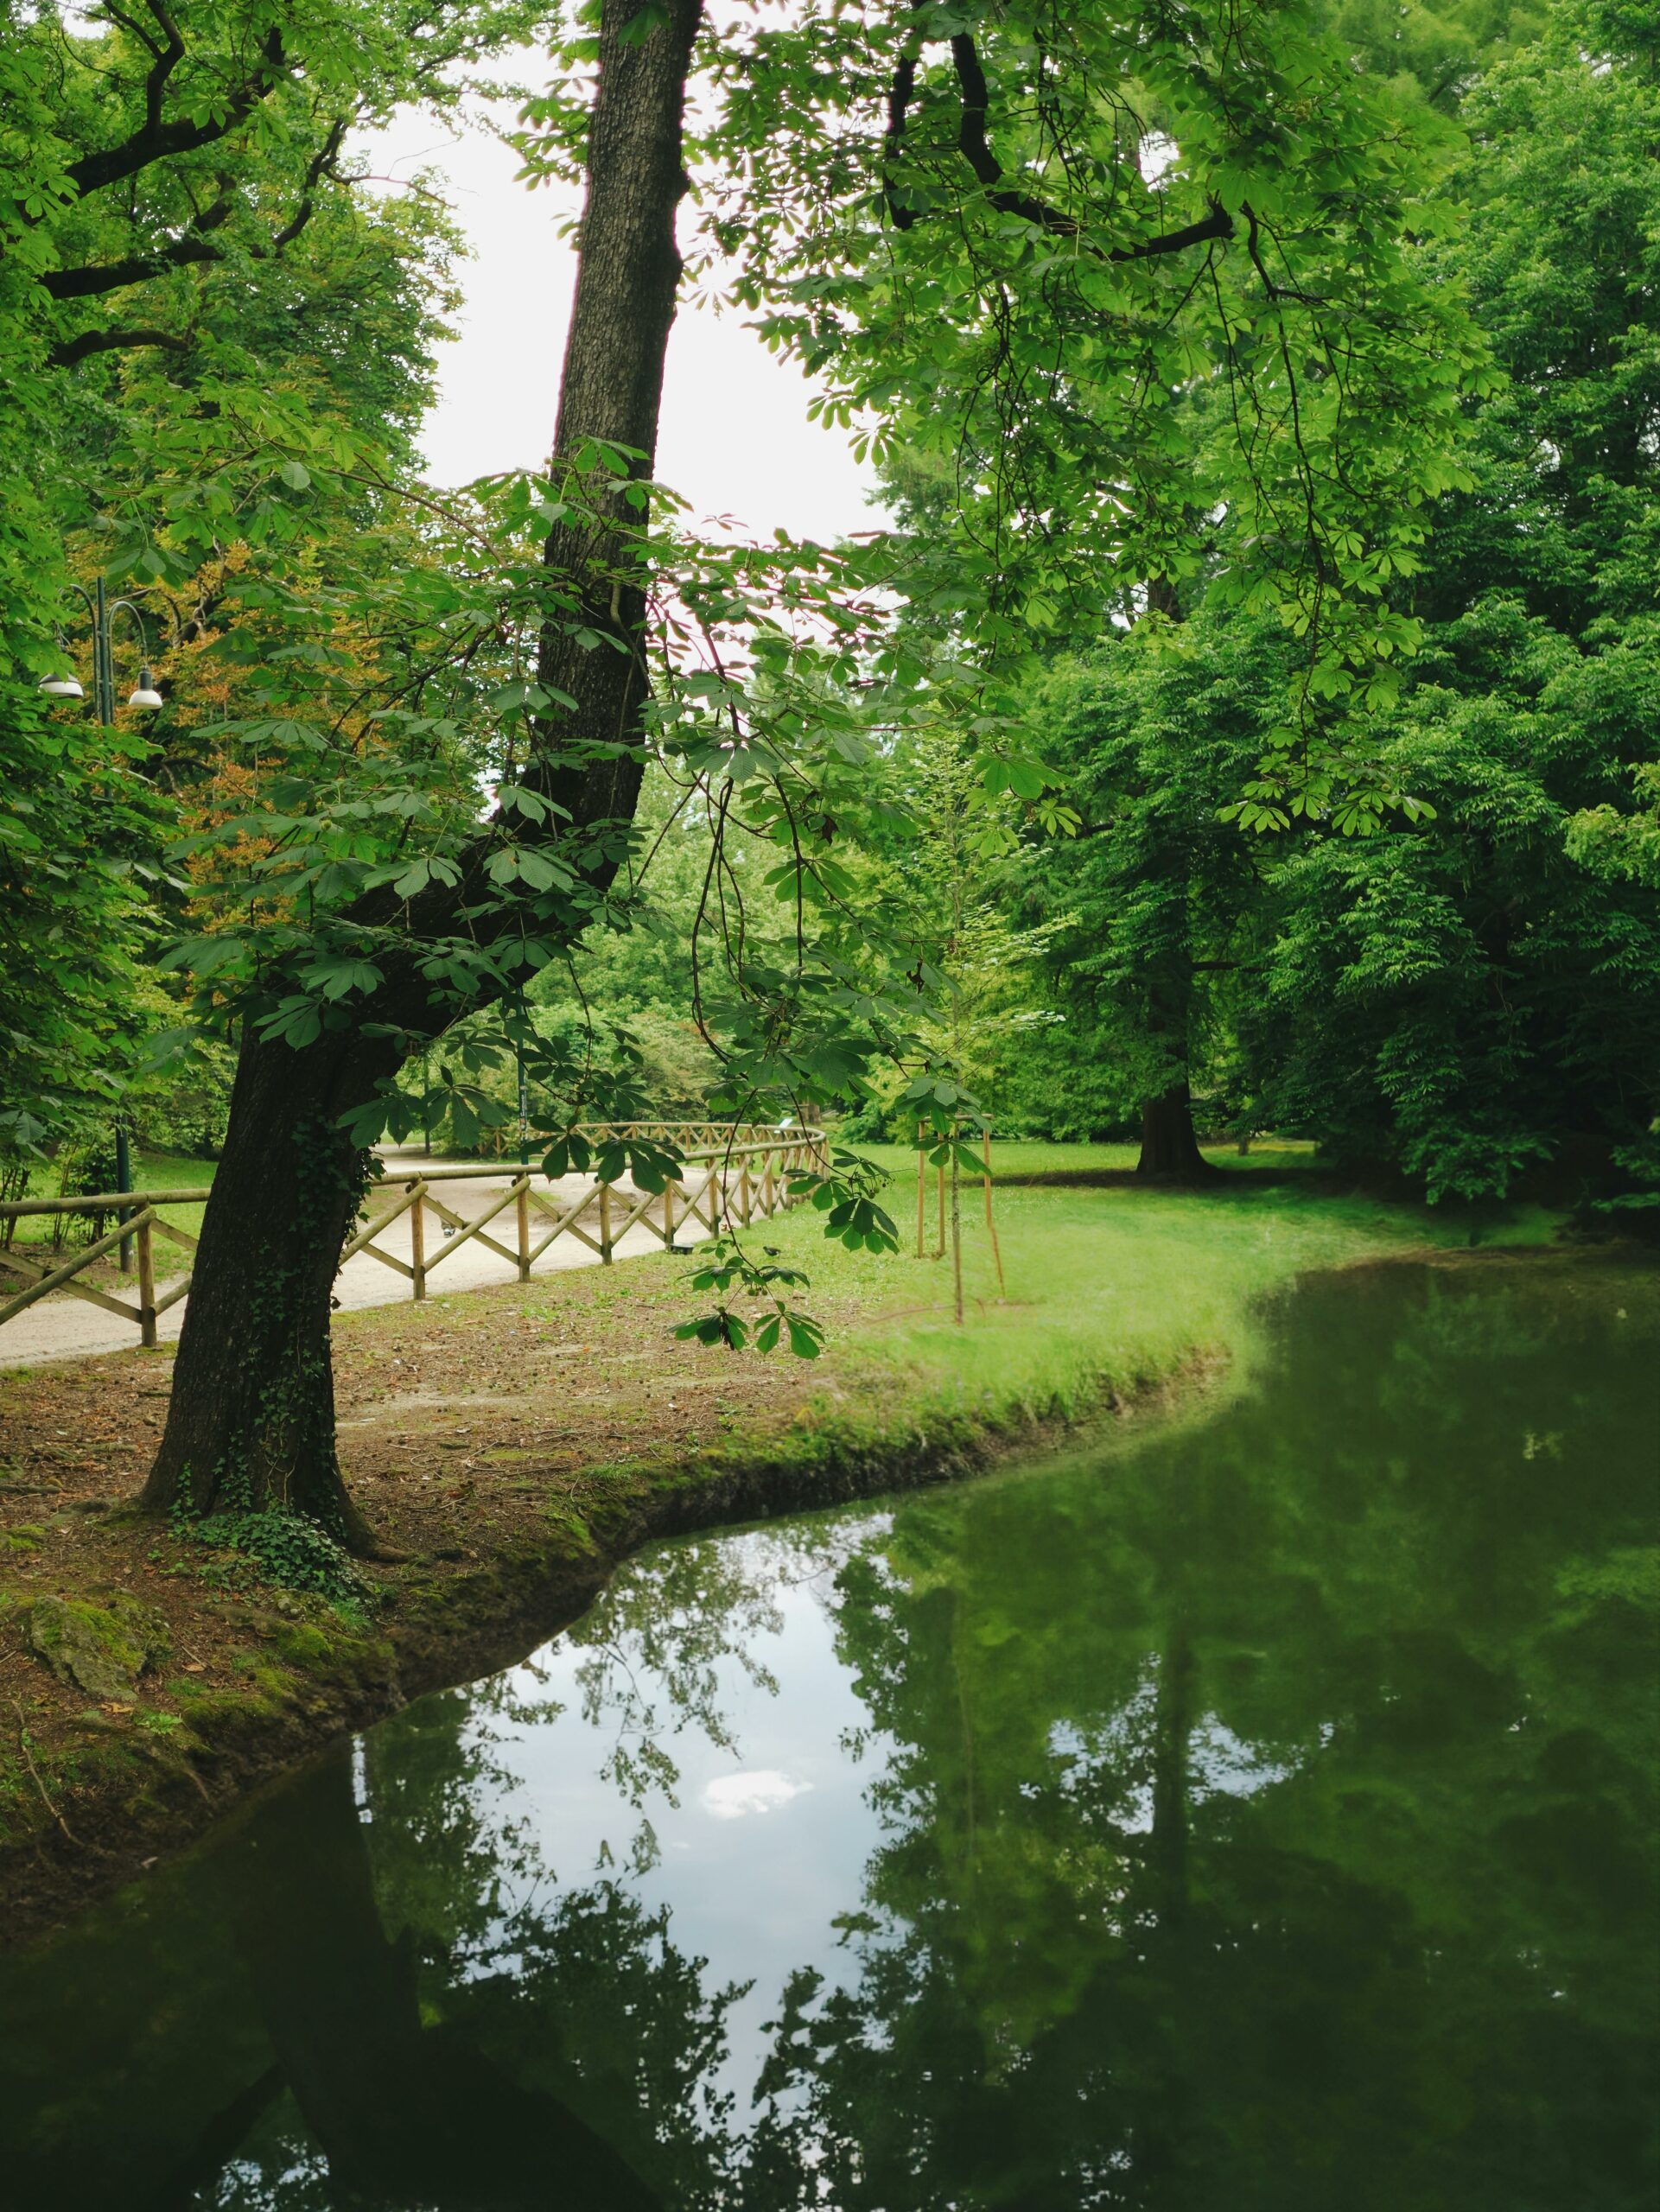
[1254, 1812]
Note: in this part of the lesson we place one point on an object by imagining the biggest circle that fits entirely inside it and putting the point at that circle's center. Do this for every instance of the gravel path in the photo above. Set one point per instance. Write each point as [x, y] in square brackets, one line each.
[61, 1326]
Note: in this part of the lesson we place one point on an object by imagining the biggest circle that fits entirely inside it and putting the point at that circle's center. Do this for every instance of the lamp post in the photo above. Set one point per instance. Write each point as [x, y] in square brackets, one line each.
[124, 1182]
[103, 610]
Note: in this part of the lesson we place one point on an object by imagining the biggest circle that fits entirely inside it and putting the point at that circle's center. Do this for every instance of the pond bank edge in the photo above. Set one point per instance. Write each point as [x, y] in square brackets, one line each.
[140, 1798]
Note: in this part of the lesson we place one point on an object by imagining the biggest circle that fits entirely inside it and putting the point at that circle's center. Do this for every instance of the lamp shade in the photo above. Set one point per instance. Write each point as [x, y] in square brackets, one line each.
[62, 687]
[146, 695]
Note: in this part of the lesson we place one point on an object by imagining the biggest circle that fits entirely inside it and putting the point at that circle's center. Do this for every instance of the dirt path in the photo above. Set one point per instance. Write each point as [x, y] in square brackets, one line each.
[62, 1327]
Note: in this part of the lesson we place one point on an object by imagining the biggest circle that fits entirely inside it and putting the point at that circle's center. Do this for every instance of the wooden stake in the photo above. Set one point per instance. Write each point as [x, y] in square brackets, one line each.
[523, 1205]
[957, 1235]
[418, 1244]
[991, 1226]
[939, 1249]
[922, 1192]
[605, 1224]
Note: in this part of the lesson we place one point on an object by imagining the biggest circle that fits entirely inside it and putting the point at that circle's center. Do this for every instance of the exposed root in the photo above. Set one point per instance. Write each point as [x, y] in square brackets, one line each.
[34, 1774]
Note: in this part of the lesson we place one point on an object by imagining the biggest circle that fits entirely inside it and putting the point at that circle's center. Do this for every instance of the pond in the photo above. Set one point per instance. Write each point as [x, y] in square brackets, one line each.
[1257, 1810]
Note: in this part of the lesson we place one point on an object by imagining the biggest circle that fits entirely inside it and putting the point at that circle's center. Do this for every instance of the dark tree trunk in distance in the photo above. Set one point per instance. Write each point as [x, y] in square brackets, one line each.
[251, 1420]
[1170, 1151]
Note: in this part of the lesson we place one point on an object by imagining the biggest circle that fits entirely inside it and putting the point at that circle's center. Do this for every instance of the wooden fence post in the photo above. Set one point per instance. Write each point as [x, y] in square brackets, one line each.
[523, 1203]
[743, 1193]
[146, 1282]
[765, 1184]
[605, 1224]
[418, 1245]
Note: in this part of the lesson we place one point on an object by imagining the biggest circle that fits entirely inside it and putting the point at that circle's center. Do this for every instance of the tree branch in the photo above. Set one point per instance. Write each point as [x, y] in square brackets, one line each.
[112, 341]
[154, 141]
[321, 164]
[99, 278]
[977, 151]
[103, 277]
[168, 57]
[899, 99]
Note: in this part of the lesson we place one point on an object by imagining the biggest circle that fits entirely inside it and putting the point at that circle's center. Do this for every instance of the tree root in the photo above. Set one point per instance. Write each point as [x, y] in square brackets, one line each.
[34, 1774]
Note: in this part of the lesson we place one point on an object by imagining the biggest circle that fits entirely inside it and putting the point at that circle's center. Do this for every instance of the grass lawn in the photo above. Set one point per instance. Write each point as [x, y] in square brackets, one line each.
[1108, 1289]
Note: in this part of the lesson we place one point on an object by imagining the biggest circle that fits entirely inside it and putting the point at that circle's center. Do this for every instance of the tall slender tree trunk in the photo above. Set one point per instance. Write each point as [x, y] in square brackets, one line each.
[251, 1420]
[1170, 1151]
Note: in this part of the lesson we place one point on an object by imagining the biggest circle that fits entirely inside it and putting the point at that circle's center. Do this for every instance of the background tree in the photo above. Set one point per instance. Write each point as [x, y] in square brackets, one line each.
[1466, 990]
[1475, 991]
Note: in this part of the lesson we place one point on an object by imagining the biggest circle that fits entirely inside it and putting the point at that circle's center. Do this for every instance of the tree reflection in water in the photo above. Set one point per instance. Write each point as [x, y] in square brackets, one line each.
[1256, 1813]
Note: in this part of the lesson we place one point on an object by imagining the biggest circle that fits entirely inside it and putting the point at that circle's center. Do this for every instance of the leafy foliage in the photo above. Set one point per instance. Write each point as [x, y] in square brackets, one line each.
[289, 1549]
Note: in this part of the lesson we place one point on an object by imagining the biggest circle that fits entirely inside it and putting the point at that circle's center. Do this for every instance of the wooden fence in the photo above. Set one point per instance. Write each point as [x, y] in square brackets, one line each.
[686, 1136]
[731, 1176]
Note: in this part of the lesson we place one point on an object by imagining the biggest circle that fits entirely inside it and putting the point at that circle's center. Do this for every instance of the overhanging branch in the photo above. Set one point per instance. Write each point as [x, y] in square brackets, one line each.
[113, 342]
[154, 140]
[197, 246]
[99, 277]
[976, 150]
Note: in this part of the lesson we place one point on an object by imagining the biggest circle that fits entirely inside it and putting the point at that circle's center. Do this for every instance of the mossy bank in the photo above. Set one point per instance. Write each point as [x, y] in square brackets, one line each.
[514, 1444]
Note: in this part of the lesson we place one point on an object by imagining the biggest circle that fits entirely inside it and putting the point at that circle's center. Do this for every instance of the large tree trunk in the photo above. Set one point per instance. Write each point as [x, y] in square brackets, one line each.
[252, 1413]
[251, 1418]
[1170, 1151]
[611, 388]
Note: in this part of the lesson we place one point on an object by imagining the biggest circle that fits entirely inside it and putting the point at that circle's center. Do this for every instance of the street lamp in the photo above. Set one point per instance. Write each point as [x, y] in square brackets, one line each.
[67, 685]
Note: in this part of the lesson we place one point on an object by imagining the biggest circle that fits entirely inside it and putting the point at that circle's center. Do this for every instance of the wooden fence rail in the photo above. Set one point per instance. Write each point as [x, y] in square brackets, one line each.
[683, 1133]
[732, 1175]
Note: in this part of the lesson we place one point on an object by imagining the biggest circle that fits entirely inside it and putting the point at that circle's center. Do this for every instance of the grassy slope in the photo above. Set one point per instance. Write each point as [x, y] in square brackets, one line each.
[1108, 1289]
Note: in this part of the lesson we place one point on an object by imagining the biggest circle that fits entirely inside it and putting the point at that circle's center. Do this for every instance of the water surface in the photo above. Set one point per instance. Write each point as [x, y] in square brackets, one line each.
[1254, 1812]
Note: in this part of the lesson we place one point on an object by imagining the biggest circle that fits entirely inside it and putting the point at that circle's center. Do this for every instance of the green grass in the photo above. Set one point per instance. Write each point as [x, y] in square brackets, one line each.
[1020, 1157]
[1108, 1289]
[151, 1171]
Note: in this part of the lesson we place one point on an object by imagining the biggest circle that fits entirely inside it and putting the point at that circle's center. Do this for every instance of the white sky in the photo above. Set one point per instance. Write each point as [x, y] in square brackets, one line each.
[735, 439]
